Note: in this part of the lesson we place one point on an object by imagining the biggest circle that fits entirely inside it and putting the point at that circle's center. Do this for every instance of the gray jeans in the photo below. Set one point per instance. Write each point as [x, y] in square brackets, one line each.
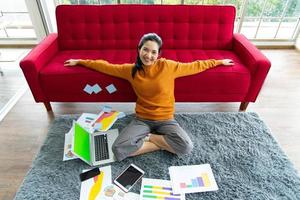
[131, 138]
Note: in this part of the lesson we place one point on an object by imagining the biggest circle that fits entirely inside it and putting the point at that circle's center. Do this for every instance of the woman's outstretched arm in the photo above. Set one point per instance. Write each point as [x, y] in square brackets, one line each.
[184, 69]
[118, 70]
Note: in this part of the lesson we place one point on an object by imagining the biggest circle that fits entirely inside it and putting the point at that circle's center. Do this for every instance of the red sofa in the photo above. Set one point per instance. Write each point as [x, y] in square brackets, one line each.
[112, 32]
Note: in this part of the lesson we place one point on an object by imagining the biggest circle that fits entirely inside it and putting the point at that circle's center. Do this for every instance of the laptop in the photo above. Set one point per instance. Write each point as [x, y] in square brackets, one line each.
[94, 148]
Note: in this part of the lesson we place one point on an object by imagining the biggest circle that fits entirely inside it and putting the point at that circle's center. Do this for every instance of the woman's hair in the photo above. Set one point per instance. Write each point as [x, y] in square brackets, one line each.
[147, 37]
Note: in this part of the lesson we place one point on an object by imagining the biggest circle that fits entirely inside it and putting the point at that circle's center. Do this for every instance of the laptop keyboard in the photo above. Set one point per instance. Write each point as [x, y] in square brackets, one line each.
[101, 147]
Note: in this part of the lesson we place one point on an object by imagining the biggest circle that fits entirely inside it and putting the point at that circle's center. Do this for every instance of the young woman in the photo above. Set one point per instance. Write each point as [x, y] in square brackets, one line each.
[152, 79]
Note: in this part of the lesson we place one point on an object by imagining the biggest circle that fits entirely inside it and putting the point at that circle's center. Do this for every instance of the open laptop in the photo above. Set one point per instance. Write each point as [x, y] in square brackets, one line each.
[93, 148]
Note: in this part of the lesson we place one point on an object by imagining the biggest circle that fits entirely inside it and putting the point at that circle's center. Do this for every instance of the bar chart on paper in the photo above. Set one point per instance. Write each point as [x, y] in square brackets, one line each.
[200, 181]
[192, 178]
[158, 189]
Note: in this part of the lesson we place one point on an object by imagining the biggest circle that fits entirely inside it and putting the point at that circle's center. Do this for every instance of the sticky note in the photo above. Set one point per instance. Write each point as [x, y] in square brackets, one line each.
[97, 88]
[88, 89]
[111, 88]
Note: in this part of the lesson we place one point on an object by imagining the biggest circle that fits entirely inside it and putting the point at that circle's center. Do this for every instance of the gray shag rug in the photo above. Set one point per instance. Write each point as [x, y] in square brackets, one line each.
[246, 160]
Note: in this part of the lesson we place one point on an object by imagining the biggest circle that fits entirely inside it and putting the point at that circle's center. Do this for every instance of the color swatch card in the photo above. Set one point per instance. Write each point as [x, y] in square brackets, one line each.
[93, 188]
[158, 189]
[192, 178]
[105, 120]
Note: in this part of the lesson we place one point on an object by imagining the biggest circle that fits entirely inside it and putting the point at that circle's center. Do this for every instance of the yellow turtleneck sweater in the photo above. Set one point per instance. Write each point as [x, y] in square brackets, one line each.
[154, 88]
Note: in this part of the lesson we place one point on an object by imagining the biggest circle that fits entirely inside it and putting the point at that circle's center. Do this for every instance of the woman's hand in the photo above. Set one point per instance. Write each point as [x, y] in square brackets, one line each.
[227, 62]
[71, 62]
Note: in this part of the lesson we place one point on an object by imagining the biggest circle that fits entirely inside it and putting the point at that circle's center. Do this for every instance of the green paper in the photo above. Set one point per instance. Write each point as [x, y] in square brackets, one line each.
[82, 143]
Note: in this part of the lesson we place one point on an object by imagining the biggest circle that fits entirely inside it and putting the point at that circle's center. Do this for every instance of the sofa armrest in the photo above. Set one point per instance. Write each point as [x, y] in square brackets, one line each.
[35, 60]
[255, 61]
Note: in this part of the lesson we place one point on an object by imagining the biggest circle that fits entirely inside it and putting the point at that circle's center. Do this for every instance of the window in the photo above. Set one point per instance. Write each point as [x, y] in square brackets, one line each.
[271, 20]
[261, 20]
[15, 22]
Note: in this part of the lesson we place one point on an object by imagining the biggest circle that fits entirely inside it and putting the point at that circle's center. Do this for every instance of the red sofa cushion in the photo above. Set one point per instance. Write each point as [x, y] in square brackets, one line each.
[107, 27]
[223, 83]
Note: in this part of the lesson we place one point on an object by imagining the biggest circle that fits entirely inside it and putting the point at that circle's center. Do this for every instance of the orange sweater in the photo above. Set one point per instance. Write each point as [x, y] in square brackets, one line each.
[155, 87]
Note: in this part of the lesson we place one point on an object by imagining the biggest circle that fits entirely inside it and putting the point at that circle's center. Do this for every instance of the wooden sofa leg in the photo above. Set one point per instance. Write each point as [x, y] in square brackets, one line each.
[48, 106]
[243, 106]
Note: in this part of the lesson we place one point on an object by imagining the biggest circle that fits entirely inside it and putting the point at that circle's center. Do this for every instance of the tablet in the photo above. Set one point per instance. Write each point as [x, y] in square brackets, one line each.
[129, 177]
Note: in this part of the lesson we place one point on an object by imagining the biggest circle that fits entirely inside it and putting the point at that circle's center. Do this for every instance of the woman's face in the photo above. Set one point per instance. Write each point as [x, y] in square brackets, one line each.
[149, 53]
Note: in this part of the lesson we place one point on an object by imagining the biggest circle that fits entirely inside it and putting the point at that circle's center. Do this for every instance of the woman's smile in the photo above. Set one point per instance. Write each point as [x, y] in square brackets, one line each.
[149, 53]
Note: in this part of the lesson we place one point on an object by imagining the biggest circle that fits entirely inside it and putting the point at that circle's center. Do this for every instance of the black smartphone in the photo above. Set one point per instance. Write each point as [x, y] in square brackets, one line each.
[89, 174]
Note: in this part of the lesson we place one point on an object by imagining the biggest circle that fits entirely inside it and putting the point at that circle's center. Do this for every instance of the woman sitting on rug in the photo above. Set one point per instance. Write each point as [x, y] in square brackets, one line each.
[152, 79]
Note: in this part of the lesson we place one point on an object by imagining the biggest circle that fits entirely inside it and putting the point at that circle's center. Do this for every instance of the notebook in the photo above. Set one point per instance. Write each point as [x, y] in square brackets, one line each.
[94, 148]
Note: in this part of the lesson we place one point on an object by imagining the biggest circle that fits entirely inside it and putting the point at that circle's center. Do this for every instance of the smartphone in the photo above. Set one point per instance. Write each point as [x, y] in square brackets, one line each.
[89, 174]
[129, 177]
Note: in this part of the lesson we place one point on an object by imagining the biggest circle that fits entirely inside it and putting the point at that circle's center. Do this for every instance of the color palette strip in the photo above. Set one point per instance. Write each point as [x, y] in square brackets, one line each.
[160, 197]
[159, 192]
[158, 189]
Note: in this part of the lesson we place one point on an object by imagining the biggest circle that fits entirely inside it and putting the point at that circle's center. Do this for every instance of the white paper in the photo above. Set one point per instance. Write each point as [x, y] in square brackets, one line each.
[108, 190]
[158, 189]
[87, 185]
[68, 155]
[192, 178]
[104, 121]
[85, 121]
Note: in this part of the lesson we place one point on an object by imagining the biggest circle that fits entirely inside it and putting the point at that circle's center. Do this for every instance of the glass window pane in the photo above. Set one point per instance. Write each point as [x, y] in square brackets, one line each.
[268, 27]
[251, 19]
[140, 1]
[193, 2]
[172, 2]
[249, 26]
[270, 13]
[105, 2]
[287, 28]
[293, 9]
[15, 21]
[86, 2]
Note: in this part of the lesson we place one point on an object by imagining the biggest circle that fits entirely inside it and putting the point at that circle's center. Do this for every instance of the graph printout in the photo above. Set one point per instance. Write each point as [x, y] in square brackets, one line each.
[93, 188]
[154, 189]
[192, 178]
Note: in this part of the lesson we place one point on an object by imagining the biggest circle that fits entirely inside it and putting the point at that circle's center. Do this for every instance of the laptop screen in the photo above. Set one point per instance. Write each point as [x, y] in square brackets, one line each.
[82, 143]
